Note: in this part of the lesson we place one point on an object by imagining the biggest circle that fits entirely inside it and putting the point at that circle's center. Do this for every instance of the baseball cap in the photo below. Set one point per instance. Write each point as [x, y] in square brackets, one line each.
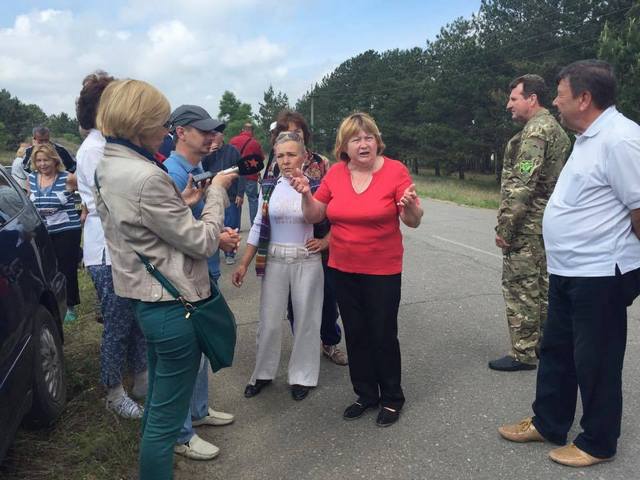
[195, 116]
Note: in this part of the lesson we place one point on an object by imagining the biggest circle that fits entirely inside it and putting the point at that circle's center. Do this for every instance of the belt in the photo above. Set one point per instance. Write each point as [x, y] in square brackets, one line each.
[288, 251]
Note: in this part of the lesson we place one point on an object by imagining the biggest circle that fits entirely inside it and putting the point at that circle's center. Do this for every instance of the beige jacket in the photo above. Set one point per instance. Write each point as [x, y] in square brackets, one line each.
[145, 212]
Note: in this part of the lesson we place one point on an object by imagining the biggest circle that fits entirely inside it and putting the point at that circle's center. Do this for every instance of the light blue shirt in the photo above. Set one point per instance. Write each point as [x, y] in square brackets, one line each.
[179, 169]
[587, 223]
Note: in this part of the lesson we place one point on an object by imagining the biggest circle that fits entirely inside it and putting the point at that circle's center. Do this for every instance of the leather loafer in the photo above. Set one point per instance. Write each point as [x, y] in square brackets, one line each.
[572, 456]
[510, 364]
[355, 410]
[522, 432]
[387, 416]
[299, 392]
[253, 390]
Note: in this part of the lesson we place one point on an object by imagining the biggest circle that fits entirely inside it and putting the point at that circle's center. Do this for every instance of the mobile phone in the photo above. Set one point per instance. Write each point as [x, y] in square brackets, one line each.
[201, 177]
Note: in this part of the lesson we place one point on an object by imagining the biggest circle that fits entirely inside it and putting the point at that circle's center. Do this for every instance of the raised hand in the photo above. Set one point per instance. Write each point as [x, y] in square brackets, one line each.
[409, 197]
[299, 182]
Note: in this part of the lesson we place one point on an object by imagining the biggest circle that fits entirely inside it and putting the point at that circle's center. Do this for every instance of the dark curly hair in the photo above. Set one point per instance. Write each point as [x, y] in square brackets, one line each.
[87, 103]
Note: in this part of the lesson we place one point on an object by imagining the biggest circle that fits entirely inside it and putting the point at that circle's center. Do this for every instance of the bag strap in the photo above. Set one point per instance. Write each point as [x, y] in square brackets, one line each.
[150, 267]
[245, 145]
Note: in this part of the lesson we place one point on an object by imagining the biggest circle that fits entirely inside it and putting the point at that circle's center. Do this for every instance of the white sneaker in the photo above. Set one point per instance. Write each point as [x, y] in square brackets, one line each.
[216, 419]
[197, 449]
[125, 407]
[230, 260]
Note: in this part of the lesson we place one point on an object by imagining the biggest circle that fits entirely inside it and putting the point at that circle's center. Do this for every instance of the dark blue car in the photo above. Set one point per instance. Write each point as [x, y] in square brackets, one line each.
[32, 299]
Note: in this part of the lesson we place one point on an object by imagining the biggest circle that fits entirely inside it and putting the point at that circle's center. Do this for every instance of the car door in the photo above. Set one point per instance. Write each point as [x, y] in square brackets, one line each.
[20, 287]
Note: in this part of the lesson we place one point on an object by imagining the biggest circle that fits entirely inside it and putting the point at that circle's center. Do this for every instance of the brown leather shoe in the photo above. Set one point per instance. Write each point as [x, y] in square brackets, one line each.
[521, 432]
[572, 456]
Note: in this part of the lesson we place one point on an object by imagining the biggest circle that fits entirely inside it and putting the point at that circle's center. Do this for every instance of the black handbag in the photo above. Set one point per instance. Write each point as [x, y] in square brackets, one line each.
[212, 319]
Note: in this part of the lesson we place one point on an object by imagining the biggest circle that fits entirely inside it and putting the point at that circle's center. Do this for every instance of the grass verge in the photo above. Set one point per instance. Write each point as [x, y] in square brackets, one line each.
[476, 190]
[87, 442]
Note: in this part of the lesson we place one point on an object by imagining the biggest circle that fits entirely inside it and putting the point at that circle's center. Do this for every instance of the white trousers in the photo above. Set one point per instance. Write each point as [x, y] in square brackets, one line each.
[290, 267]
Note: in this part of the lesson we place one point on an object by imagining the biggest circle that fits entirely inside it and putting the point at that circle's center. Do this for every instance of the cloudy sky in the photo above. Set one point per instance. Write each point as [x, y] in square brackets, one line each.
[193, 50]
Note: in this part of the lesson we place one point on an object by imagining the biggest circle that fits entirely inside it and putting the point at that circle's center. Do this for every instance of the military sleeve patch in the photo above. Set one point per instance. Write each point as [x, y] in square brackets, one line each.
[526, 166]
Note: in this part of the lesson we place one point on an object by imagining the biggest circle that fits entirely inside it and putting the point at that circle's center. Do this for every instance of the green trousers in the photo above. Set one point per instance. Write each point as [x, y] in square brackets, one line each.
[525, 287]
[173, 358]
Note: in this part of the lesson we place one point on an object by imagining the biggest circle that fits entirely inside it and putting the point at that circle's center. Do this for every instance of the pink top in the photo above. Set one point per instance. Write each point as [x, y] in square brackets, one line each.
[365, 227]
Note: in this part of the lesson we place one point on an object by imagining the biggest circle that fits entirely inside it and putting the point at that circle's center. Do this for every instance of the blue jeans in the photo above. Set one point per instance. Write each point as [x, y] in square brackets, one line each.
[214, 265]
[232, 220]
[199, 407]
[251, 189]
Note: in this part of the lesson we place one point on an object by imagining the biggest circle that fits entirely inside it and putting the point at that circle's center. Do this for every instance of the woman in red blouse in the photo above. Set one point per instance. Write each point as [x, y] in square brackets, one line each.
[364, 196]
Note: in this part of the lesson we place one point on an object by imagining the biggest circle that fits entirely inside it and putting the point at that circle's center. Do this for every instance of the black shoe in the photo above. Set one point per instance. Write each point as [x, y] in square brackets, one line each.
[509, 364]
[253, 390]
[387, 416]
[299, 392]
[355, 410]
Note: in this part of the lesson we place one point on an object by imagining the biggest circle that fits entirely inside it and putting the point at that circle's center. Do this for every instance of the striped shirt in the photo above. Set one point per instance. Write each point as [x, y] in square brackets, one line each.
[55, 204]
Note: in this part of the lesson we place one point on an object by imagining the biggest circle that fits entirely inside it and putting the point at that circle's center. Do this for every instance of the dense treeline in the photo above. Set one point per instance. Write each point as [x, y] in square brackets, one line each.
[444, 106]
[18, 119]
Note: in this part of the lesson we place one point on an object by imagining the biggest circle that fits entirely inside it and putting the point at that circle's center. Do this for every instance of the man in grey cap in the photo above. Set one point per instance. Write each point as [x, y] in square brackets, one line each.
[194, 131]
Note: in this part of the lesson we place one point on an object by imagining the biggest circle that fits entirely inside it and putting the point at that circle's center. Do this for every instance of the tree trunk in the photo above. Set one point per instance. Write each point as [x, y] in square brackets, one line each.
[437, 169]
[414, 166]
[461, 171]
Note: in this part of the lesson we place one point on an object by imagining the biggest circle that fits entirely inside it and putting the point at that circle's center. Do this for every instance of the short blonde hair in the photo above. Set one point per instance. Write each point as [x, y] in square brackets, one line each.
[50, 152]
[349, 127]
[131, 109]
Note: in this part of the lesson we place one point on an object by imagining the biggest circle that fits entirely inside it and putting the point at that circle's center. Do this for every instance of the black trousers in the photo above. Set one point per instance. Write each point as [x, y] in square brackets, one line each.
[67, 247]
[582, 349]
[369, 310]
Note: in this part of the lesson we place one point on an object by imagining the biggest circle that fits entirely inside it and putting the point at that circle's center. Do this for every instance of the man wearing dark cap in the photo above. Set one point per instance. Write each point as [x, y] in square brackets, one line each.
[193, 131]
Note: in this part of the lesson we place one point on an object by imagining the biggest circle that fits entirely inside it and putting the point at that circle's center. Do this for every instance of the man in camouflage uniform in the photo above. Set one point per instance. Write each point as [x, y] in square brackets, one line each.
[533, 160]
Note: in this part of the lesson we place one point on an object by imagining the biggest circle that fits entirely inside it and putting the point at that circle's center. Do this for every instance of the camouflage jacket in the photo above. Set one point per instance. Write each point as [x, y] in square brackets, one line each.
[532, 163]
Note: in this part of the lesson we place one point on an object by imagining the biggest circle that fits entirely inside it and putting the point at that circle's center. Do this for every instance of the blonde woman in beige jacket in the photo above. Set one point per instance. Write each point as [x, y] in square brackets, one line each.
[143, 212]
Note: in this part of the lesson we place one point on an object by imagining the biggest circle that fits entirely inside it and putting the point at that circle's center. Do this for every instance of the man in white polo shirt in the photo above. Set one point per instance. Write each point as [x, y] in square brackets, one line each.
[590, 229]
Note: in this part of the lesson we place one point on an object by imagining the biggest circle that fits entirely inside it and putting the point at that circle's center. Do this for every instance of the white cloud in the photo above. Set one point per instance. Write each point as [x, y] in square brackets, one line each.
[188, 50]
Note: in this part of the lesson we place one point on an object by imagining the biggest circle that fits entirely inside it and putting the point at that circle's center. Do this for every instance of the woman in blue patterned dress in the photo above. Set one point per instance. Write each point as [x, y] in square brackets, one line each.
[51, 191]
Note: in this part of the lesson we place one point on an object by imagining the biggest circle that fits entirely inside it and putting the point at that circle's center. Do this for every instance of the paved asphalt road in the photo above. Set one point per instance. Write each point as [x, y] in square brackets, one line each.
[451, 323]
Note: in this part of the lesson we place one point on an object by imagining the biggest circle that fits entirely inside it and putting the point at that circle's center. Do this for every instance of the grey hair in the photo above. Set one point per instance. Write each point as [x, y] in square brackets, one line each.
[284, 137]
[40, 130]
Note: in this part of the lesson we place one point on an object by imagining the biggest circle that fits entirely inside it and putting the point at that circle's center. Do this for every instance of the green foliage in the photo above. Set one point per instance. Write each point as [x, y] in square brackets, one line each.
[274, 103]
[235, 114]
[443, 106]
[18, 120]
[620, 46]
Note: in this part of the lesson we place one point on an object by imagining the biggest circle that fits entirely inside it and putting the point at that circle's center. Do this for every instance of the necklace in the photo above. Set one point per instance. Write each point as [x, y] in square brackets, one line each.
[44, 181]
[360, 181]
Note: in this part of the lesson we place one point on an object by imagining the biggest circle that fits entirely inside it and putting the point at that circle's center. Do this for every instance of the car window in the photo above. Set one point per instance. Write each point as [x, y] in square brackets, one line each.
[11, 202]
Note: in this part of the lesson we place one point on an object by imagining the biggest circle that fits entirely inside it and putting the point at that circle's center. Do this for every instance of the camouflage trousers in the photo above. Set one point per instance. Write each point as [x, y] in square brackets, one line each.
[525, 287]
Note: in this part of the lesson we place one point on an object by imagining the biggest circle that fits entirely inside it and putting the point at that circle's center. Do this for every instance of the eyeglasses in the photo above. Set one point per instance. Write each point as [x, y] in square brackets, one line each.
[167, 124]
